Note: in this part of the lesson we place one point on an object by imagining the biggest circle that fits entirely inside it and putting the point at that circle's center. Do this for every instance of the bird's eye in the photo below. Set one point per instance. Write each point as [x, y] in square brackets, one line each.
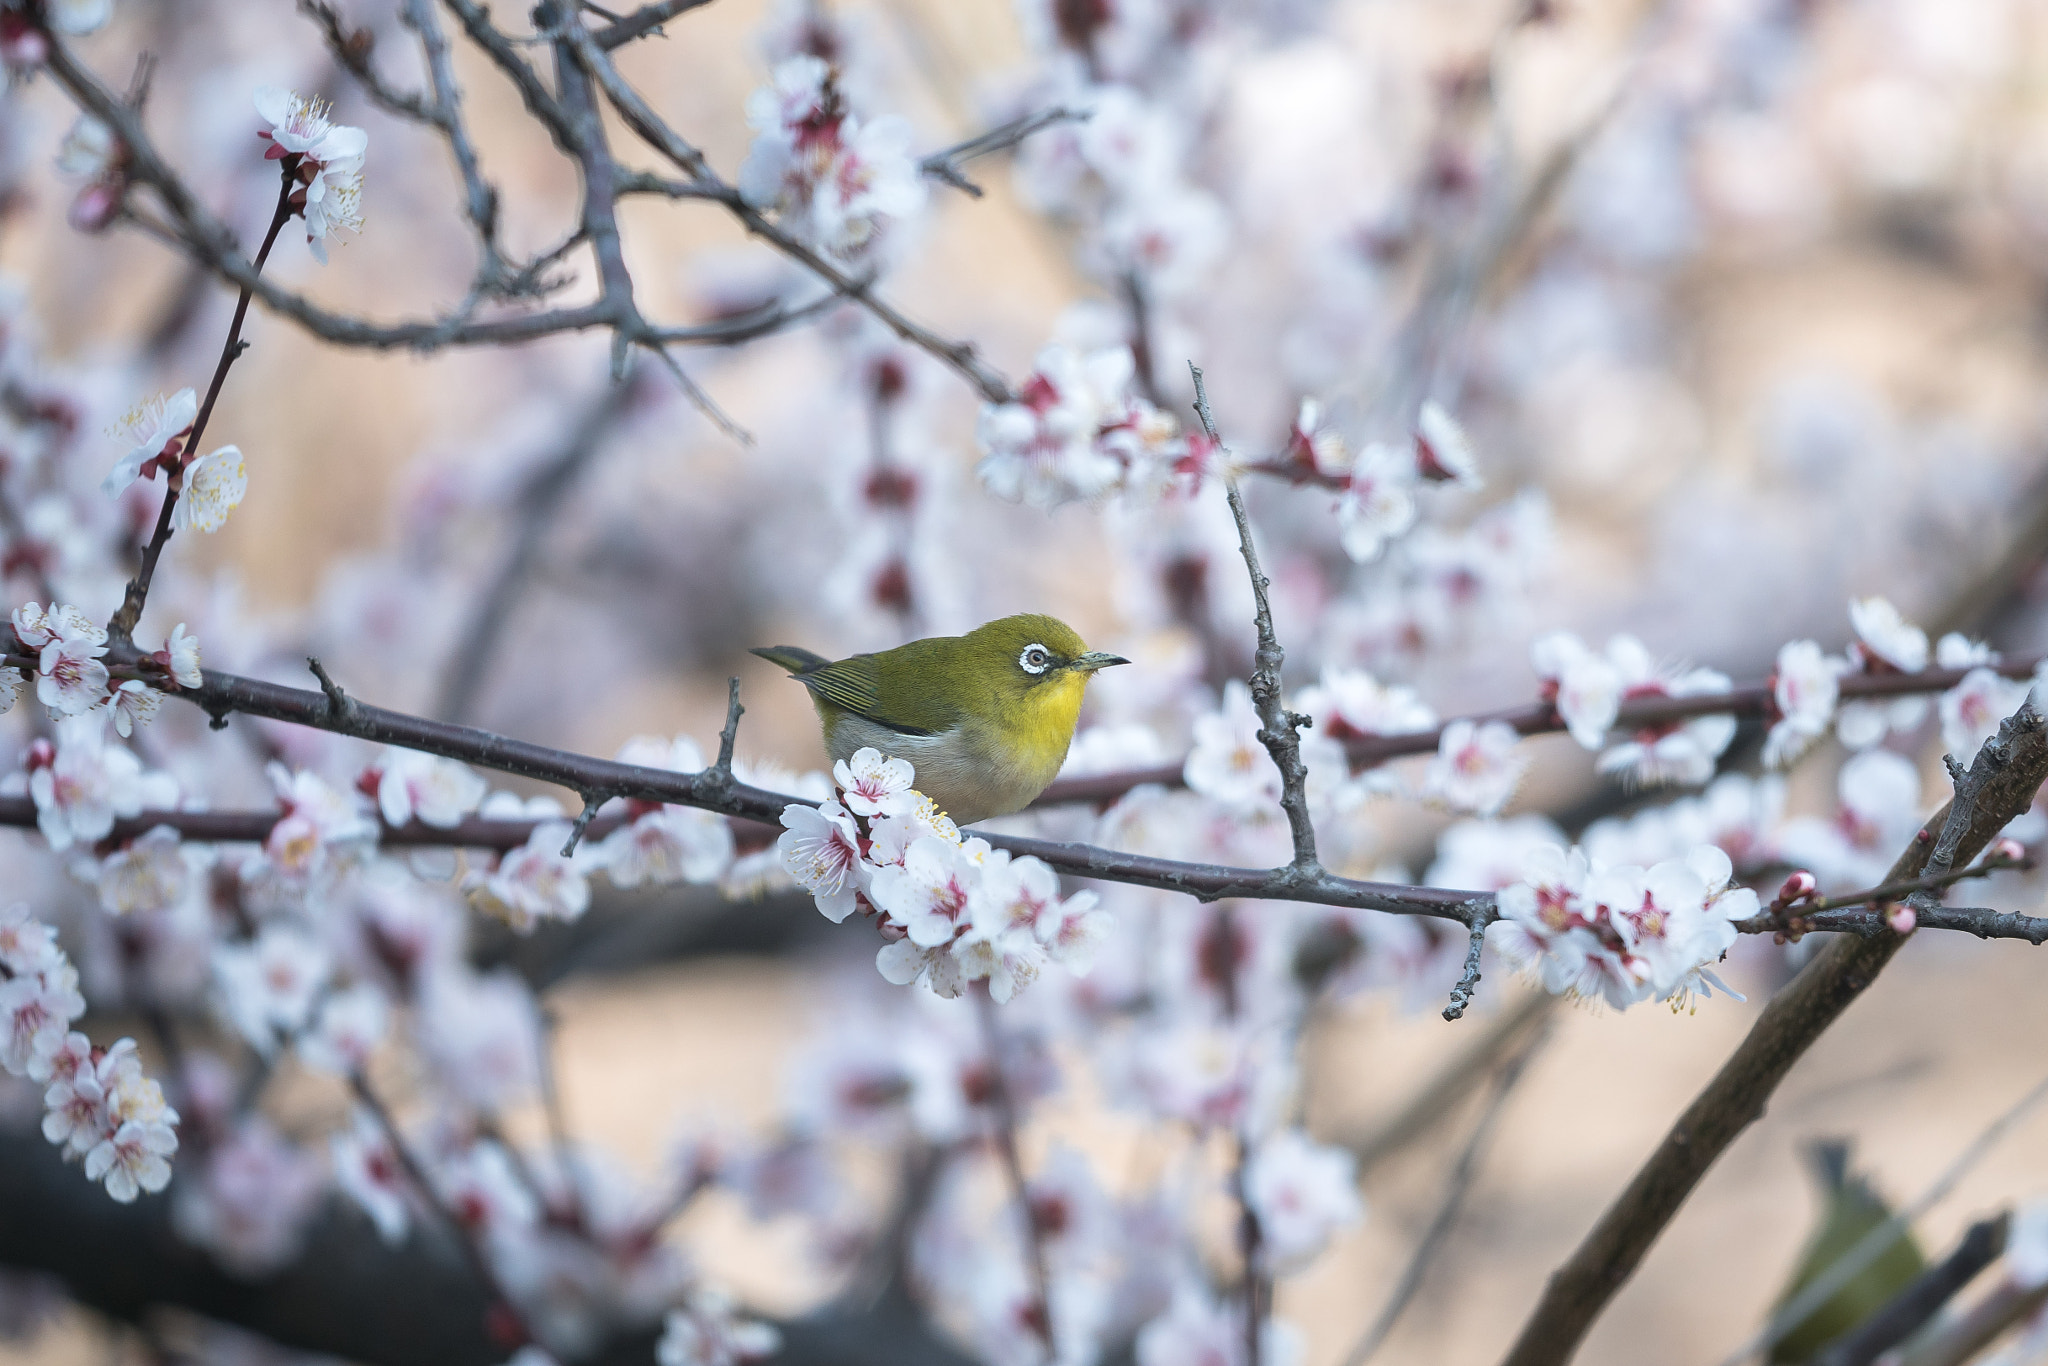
[1034, 659]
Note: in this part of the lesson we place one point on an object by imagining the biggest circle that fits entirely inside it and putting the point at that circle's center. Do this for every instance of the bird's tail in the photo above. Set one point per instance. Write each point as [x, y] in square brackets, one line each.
[794, 658]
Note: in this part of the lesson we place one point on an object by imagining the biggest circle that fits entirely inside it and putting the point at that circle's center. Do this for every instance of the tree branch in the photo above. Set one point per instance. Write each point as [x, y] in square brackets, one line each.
[2000, 784]
[1922, 1297]
[643, 21]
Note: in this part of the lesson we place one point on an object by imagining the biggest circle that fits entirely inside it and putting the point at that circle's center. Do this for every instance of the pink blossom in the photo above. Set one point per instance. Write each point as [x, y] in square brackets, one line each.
[534, 882]
[821, 850]
[251, 1199]
[369, 1172]
[1971, 710]
[928, 894]
[70, 679]
[349, 1025]
[1302, 1193]
[1476, 767]
[874, 785]
[1804, 687]
[82, 787]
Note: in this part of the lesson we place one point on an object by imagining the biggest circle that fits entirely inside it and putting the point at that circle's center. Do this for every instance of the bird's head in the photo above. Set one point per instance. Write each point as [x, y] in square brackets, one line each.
[1023, 654]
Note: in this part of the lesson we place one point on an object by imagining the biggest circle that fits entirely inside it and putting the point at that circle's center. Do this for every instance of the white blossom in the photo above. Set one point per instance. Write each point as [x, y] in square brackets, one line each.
[1884, 639]
[1971, 711]
[267, 987]
[134, 704]
[1378, 505]
[349, 1025]
[1586, 688]
[214, 486]
[1443, 453]
[1804, 687]
[79, 16]
[156, 429]
[820, 848]
[1302, 1193]
[927, 894]
[534, 882]
[438, 792]
[182, 657]
[1228, 764]
[872, 784]
[708, 1331]
[70, 678]
[1476, 767]
[330, 167]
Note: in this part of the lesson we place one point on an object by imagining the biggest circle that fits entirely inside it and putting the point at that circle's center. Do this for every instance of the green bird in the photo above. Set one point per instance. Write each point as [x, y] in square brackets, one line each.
[984, 718]
[1850, 1209]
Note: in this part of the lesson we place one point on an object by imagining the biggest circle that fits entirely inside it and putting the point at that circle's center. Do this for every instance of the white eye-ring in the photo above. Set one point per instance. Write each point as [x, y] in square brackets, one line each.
[1035, 659]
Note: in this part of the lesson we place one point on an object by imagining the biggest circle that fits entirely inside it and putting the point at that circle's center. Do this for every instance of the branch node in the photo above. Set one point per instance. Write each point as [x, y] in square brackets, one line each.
[339, 705]
[591, 802]
[728, 737]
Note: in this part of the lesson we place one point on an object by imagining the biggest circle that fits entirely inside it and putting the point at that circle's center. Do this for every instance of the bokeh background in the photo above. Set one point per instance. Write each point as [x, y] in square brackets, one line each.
[1777, 338]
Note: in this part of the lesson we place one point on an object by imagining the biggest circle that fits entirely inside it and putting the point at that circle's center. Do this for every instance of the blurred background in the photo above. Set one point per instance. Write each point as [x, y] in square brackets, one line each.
[1743, 303]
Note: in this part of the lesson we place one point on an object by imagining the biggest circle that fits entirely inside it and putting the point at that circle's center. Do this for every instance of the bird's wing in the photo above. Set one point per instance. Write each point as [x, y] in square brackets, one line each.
[854, 685]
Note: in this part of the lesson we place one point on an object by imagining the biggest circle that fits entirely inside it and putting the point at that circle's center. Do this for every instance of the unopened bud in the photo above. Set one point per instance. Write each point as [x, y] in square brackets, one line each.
[1902, 918]
[1799, 887]
[2006, 849]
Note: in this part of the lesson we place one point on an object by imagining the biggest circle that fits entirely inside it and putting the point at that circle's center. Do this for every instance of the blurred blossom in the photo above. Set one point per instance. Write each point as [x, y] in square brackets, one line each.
[1301, 1192]
[1476, 767]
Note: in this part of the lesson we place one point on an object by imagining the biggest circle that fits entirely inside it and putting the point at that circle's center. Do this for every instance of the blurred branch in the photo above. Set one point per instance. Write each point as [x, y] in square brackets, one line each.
[1480, 1060]
[1999, 785]
[351, 48]
[646, 20]
[1873, 1244]
[1456, 1187]
[944, 164]
[1003, 1102]
[1922, 1297]
[544, 495]
[1961, 1339]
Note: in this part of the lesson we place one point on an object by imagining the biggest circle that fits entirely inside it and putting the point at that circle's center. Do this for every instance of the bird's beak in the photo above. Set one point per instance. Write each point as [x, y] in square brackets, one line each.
[1096, 659]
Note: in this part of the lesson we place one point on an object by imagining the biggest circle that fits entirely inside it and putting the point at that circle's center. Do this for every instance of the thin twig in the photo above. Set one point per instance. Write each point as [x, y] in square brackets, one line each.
[122, 628]
[1961, 1339]
[944, 164]
[646, 20]
[730, 735]
[1456, 1187]
[1278, 727]
[1468, 981]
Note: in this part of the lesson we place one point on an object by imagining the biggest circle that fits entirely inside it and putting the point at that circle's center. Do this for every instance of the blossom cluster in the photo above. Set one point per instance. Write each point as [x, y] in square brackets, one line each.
[1588, 690]
[952, 910]
[1623, 933]
[832, 180]
[1078, 431]
[64, 651]
[98, 1106]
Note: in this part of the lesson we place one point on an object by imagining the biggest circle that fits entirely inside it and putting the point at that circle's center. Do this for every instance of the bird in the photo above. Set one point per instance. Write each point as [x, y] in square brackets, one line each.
[1850, 1211]
[985, 718]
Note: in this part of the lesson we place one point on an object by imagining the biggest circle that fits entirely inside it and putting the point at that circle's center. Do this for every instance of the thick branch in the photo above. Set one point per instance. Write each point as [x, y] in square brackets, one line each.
[2000, 784]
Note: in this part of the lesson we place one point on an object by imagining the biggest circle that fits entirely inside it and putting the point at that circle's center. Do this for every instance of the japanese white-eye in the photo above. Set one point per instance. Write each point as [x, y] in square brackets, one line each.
[1850, 1210]
[984, 718]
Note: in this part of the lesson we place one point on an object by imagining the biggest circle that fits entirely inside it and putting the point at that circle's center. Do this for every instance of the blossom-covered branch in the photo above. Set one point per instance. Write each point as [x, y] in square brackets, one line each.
[1999, 785]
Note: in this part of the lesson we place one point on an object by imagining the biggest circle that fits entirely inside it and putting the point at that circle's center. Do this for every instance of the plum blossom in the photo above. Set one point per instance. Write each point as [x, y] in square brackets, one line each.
[874, 785]
[927, 895]
[1197, 1328]
[708, 1331]
[180, 657]
[1378, 505]
[832, 181]
[1877, 812]
[134, 704]
[77, 17]
[267, 988]
[250, 1200]
[820, 848]
[36, 1011]
[320, 823]
[534, 882]
[1682, 751]
[1585, 687]
[1228, 764]
[329, 167]
[1476, 767]
[1804, 688]
[438, 792]
[1885, 643]
[133, 1153]
[83, 784]
[1971, 710]
[214, 486]
[1622, 932]
[665, 844]
[1443, 453]
[351, 1022]
[1314, 446]
[1302, 1193]
[157, 429]
[70, 678]
[482, 1034]
[1350, 704]
[369, 1172]
[155, 872]
[1075, 432]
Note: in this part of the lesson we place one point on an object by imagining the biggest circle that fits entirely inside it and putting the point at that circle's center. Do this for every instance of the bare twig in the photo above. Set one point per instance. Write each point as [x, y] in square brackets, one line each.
[1456, 1187]
[2000, 784]
[1468, 981]
[646, 20]
[1922, 1297]
[944, 164]
[351, 48]
[1278, 727]
[730, 735]
[591, 802]
[122, 628]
